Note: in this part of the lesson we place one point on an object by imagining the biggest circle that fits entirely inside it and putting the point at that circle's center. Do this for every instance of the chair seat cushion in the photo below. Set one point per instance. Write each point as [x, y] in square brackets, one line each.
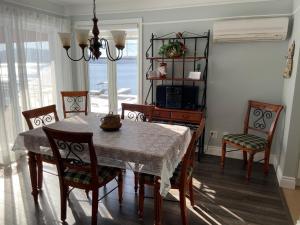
[247, 140]
[105, 174]
[175, 179]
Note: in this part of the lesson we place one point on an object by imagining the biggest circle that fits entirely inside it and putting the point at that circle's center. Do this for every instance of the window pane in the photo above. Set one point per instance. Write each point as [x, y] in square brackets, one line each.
[127, 74]
[39, 76]
[98, 85]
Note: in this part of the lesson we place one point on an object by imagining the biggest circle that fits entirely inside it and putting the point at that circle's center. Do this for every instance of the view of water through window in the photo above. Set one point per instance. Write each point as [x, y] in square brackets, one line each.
[127, 80]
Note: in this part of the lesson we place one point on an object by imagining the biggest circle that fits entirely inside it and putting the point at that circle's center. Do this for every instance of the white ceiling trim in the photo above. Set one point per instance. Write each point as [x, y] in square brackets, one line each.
[32, 6]
[154, 5]
[218, 19]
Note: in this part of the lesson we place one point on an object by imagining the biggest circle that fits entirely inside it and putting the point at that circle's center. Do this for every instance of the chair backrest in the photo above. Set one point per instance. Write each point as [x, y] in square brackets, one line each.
[137, 112]
[40, 116]
[71, 150]
[74, 102]
[262, 118]
[188, 159]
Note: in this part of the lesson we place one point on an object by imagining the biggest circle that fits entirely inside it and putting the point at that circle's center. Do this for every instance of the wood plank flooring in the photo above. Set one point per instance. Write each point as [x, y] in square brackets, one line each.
[220, 199]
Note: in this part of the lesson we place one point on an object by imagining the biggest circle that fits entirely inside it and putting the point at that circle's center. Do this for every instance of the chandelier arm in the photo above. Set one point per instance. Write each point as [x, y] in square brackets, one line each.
[108, 54]
[76, 60]
[89, 57]
[121, 52]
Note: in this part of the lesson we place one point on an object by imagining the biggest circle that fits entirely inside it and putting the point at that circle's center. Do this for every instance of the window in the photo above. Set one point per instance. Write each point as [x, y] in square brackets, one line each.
[127, 75]
[123, 81]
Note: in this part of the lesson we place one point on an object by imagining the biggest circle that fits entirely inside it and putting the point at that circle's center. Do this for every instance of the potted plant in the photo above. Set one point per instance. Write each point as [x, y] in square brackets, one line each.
[172, 49]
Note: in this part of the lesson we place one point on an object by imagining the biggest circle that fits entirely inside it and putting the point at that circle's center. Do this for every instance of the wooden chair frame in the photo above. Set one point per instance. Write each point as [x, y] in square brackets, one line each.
[92, 168]
[185, 183]
[139, 112]
[75, 95]
[41, 115]
[144, 112]
[267, 107]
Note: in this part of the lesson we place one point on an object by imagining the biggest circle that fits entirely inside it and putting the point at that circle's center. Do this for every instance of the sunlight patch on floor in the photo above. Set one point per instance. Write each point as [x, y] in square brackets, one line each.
[231, 213]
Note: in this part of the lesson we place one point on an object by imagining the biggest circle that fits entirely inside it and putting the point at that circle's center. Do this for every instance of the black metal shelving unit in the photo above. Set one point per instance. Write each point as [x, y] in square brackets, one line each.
[197, 53]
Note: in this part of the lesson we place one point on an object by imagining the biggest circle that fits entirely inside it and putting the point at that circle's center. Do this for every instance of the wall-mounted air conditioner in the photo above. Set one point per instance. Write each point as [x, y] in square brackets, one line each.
[262, 29]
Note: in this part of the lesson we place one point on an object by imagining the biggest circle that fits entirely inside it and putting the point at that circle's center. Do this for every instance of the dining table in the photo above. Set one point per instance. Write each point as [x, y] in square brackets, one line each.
[151, 148]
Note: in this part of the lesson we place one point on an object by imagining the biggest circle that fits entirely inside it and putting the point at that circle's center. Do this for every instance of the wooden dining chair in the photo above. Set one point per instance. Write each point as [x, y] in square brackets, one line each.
[259, 127]
[182, 178]
[37, 118]
[74, 102]
[68, 149]
[137, 112]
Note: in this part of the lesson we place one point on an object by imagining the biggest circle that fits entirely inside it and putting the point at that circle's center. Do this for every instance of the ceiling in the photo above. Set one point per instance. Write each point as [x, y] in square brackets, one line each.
[81, 2]
[84, 7]
[185, 2]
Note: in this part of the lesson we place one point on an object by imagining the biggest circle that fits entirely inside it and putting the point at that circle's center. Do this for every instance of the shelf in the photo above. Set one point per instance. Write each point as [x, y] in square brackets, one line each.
[174, 79]
[186, 59]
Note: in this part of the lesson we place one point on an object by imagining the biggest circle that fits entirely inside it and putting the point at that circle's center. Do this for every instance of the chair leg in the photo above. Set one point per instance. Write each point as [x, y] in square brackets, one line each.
[95, 206]
[39, 171]
[249, 166]
[63, 201]
[191, 192]
[33, 175]
[141, 196]
[223, 154]
[266, 162]
[120, 187]
[136, 181]
[183, 207]
[157, 202]
[245, 158]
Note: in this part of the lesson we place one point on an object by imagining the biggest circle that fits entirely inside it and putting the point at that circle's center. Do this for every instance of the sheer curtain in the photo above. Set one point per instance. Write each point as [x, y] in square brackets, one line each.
[33, 69]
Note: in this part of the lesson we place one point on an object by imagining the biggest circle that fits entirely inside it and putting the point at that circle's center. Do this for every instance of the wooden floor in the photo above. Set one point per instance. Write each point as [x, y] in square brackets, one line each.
[220, 199]
[293, 201]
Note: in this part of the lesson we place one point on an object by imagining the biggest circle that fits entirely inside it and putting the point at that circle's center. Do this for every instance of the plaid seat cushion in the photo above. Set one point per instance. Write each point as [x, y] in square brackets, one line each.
[175, 179]
[246, 140]
[105, 174]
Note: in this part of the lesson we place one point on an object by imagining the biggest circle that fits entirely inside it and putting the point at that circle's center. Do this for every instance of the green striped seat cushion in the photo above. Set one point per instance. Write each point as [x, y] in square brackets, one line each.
[105, 174]
[175, 179]
[247, 140]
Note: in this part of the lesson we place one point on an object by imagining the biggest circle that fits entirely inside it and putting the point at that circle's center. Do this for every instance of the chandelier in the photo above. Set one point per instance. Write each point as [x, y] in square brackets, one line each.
[94, 43]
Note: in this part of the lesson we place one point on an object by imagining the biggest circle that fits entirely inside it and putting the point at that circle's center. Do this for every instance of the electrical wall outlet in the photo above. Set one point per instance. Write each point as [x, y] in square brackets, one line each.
[214, 134]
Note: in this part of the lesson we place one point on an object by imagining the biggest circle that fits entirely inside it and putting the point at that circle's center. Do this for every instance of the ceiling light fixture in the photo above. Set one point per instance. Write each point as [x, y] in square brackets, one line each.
[95, 43]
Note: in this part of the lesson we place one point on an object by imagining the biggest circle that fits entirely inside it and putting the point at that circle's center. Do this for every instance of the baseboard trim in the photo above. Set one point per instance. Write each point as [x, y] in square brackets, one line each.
[284, 181]
[298, 182]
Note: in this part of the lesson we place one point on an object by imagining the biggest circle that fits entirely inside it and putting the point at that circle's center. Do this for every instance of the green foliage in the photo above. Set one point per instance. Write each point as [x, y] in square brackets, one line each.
[172, 50]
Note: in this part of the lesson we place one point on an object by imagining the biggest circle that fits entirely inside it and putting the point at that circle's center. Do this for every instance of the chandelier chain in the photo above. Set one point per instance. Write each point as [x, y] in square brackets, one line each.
[94, 8]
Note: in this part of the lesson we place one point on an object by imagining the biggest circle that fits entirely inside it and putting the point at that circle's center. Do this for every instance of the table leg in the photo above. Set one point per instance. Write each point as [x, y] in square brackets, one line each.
[201, 145]
[33, 175]
[157, 202]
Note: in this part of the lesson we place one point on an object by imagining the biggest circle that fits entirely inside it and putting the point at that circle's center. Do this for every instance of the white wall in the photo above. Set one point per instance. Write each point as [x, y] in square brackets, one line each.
[289, 160]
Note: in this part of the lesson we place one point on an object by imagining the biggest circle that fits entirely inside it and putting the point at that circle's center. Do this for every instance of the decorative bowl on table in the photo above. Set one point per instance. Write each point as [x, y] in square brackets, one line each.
[111, 122]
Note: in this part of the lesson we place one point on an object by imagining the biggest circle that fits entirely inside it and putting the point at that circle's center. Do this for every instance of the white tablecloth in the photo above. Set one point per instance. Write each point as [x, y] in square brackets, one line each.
[155, 148]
